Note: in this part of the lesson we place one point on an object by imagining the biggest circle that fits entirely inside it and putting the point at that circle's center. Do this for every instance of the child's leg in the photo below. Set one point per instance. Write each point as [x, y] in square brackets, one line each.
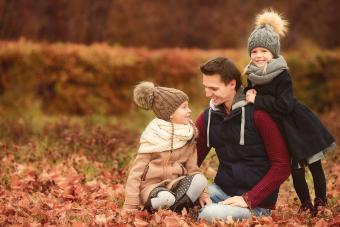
[188, 190]
[319, 181]
[301, 188]
[198, 183]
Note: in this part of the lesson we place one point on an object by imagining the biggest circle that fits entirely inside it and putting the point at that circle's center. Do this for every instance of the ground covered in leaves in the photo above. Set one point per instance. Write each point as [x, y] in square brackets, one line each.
[72, 173]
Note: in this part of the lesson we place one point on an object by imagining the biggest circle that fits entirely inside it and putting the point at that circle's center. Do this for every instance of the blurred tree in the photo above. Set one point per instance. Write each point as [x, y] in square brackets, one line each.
[172, 23]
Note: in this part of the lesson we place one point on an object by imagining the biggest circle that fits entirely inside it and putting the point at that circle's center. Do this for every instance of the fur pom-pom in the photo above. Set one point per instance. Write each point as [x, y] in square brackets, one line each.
[272, 18]
[143, 95]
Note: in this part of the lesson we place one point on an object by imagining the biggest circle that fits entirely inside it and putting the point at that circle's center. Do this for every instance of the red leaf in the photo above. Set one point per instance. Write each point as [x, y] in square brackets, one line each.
[335, 221]
[140, 223]
[321, 223]
[171, 221]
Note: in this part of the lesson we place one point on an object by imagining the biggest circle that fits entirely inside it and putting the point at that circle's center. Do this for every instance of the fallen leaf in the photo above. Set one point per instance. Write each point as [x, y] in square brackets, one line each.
[100, 219]
[140, 223]
[321, 223]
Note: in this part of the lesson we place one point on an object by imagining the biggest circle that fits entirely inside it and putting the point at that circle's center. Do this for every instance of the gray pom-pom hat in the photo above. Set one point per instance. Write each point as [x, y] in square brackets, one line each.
[269, 28]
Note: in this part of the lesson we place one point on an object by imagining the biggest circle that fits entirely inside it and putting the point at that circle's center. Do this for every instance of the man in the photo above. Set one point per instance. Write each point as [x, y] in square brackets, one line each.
[253, 157]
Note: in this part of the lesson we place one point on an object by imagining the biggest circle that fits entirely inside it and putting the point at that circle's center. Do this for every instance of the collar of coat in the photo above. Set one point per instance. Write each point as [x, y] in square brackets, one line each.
[239, 102]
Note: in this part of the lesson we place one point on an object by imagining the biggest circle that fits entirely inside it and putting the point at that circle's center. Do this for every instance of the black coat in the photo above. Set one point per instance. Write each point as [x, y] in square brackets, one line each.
[304, 133]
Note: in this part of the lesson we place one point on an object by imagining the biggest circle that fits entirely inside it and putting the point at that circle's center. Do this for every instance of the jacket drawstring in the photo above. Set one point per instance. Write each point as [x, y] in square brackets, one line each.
[172, 137]
[208, 128]
[242, 126]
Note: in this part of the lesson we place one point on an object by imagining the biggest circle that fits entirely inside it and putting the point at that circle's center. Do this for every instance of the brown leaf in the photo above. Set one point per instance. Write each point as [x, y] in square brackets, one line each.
[171, 221]
[157, 218]
[78, 224]
[140, 223]
[335, 221]
[321, 223]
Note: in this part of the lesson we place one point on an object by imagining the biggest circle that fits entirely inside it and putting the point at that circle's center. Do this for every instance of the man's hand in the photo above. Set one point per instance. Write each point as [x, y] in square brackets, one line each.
[250, 95]
[236, 201]
[204, 199]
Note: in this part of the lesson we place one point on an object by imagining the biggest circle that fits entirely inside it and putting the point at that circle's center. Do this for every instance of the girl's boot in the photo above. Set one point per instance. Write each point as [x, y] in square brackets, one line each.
[318, 202]
[307, 206]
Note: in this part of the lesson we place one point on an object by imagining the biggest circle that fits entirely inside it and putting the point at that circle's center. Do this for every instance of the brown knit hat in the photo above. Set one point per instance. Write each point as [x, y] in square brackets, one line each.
[163, 101]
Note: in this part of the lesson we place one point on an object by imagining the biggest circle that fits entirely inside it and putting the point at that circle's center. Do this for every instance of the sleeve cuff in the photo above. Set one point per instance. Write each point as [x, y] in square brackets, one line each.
[132, 201]
[247, 200]
[130, 207]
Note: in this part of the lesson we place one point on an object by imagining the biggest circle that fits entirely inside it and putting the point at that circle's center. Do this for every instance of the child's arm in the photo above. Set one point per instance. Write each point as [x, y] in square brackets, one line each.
[283, 103]
[132, 188]
[191, 164]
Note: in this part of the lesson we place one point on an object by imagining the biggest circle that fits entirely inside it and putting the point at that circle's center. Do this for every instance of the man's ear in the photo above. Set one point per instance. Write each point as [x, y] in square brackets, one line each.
[232, 83]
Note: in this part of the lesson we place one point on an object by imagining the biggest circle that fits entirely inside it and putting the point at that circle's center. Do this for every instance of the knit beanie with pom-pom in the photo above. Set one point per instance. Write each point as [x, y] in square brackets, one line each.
[163, 101]
[269, 27]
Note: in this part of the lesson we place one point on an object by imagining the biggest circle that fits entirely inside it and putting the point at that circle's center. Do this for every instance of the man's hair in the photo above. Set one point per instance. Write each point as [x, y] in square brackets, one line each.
[223, 67]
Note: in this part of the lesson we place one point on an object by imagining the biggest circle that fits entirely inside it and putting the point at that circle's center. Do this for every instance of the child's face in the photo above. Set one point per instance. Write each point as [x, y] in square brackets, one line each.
[182, 114]
[260, 56]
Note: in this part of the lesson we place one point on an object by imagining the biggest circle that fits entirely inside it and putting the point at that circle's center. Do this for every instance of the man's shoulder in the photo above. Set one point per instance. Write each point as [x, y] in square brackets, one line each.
[264, 121]
[204, 113]
[260, 112]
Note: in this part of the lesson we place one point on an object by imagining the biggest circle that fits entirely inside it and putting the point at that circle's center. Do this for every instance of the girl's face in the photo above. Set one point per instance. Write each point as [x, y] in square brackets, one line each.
[182, 114]
[260, 56]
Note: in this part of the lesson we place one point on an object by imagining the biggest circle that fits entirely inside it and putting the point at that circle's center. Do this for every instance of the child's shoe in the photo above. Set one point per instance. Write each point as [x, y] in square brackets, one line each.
[181, 203]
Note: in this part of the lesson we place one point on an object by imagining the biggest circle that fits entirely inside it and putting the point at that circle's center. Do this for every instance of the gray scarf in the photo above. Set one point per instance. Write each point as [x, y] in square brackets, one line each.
[259, 77]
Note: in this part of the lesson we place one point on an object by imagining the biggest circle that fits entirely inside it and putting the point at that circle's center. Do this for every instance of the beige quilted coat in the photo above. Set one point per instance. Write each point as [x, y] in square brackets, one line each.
[150, 170]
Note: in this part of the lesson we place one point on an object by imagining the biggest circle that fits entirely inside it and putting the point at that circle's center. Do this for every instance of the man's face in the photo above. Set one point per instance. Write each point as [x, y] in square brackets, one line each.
[217, 90]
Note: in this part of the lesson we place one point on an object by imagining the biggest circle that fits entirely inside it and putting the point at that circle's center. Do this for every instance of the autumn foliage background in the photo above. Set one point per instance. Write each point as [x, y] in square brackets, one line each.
[69, 129]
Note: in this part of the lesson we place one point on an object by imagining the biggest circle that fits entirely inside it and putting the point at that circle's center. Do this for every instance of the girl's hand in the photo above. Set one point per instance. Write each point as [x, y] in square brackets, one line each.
[250, 95]
[251, 91]
[204, 199]
[236, 201]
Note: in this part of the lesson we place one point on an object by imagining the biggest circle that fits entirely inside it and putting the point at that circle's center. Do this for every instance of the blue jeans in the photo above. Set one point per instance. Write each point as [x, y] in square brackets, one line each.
[219, 211]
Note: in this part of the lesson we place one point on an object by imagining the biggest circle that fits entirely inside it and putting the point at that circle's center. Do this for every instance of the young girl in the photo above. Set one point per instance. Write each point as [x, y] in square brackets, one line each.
[165, 172]
[270, 88]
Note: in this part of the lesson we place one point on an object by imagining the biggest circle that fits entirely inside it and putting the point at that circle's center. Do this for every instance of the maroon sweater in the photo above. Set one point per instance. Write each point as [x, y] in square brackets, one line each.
[276, 150]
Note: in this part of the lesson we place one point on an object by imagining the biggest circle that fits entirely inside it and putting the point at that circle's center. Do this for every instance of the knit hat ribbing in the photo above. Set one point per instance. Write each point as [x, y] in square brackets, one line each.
[162, 100]
[269, 27]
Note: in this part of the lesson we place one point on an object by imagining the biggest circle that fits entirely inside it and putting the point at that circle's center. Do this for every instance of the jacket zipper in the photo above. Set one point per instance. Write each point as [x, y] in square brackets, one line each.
[183, 169]
[145, 172]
